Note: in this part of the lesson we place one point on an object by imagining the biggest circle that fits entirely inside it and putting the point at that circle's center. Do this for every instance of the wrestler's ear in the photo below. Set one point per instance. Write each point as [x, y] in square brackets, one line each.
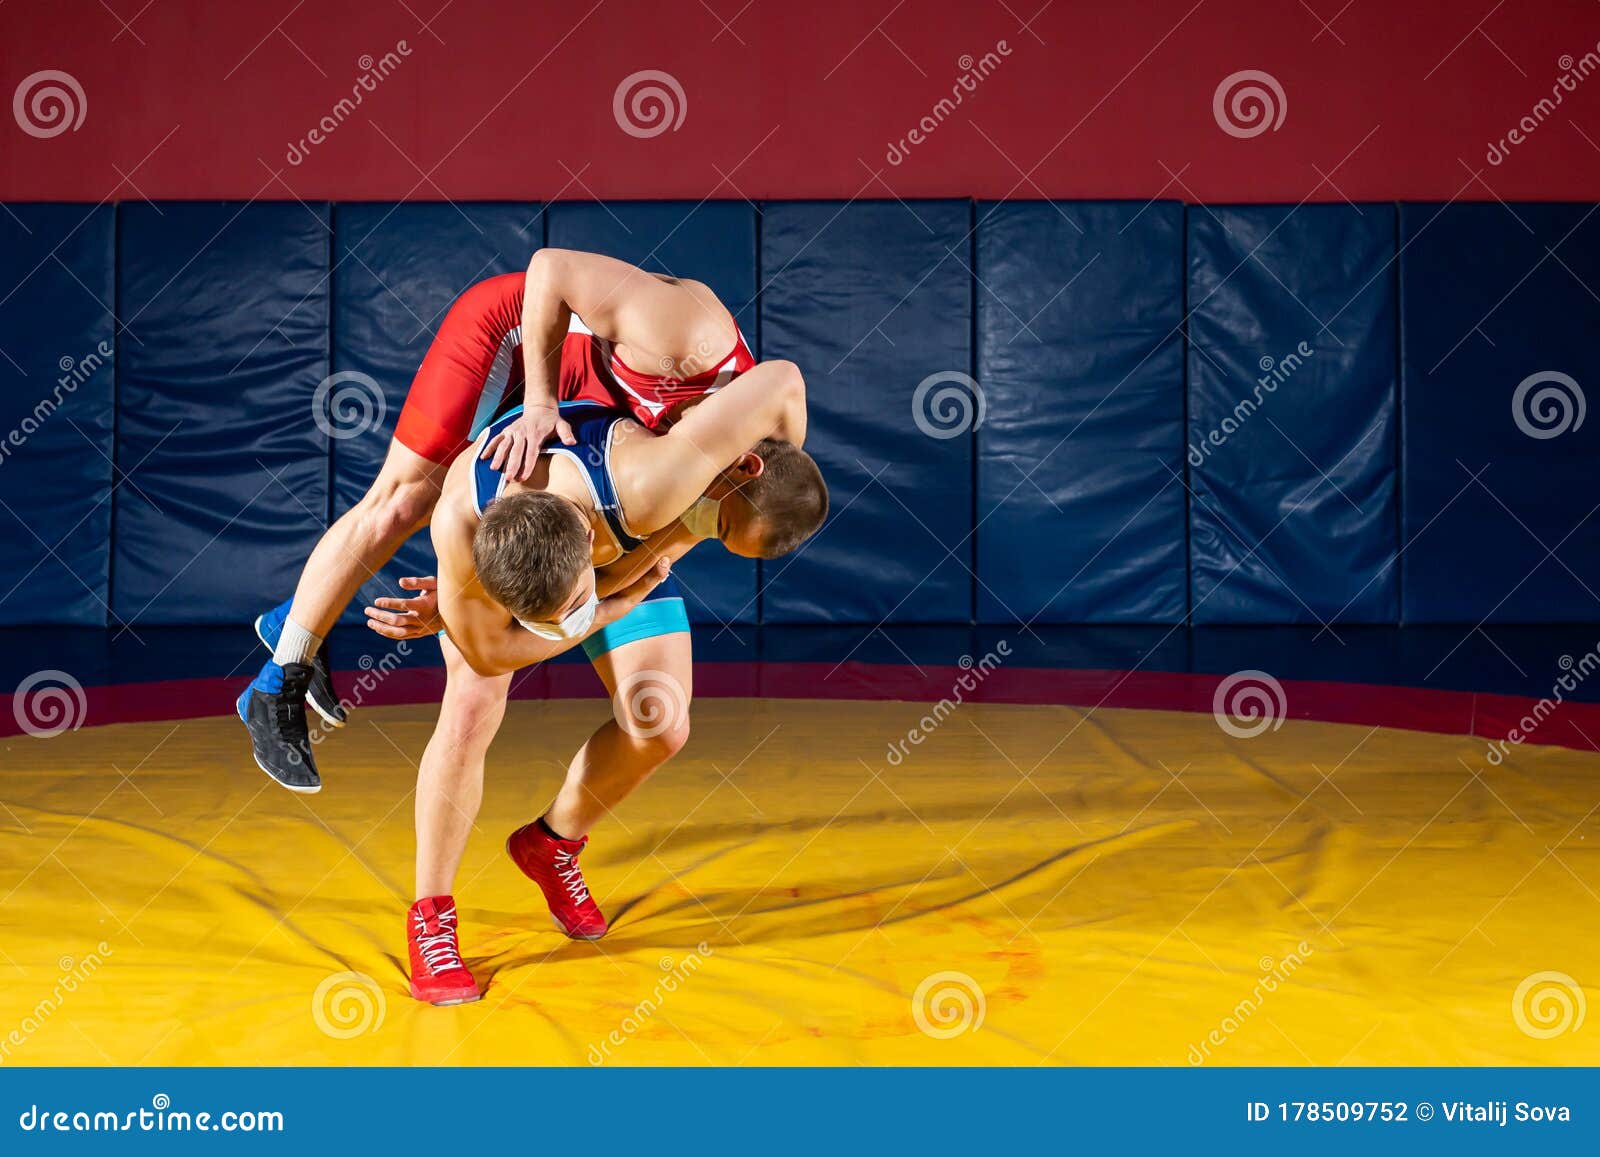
[750, 465]
[589, 534]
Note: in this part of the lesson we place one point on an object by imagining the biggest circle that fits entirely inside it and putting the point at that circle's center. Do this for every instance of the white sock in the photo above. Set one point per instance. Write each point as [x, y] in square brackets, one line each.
[295, 645]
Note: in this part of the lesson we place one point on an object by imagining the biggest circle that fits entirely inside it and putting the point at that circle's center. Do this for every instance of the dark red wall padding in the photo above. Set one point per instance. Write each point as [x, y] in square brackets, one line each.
[483, 99]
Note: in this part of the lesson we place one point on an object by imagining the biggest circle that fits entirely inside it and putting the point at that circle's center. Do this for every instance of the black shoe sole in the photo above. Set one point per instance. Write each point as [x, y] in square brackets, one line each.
[328, 717]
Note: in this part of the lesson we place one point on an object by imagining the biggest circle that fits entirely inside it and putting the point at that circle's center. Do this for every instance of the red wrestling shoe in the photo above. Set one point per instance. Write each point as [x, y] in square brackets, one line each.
[553, 865]
[437, 974]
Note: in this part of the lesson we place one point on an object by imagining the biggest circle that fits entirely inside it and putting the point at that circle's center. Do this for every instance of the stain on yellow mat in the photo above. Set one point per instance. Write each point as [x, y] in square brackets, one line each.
[1029, 885]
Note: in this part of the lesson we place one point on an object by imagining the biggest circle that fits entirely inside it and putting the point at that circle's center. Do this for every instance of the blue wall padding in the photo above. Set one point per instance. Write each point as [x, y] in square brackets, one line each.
[1292, 448]
[397, 269]
[225, 308]
[871, 299]
[1492, 296]
[57, 369]
[713, 242]
[1081, 503]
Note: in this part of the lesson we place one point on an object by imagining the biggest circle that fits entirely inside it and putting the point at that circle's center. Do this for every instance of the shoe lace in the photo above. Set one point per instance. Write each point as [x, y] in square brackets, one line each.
[439, 951]
[571, 876]
[289, 714]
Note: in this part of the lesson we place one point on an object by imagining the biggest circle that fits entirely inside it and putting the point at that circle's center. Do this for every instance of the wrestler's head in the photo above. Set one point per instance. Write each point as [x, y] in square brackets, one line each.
[532, 552]
[771, 500]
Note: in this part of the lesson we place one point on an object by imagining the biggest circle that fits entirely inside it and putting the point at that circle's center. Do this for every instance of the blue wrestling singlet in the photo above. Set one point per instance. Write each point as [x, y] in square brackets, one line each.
[662, 611]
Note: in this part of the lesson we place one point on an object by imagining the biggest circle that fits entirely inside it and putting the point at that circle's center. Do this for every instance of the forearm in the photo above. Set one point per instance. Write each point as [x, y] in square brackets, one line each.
[676, 468]
[545, 320]
[670, 544]
[506, 650]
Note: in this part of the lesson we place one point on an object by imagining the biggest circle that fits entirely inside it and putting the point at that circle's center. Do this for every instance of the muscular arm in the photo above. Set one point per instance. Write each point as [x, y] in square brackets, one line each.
[671, 544]
[619, 302]
[663, 476]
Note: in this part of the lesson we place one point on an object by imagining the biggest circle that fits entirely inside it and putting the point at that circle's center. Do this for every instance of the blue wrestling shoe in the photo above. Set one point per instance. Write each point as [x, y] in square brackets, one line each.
[320, 694]
[273, 708]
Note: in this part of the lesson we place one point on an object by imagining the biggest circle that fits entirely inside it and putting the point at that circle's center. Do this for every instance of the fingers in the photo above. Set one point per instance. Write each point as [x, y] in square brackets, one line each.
[414, 583]
[401, 619]
[389, 632]
[390, 604]
[564, 432]
[519, 463]
[492, 445]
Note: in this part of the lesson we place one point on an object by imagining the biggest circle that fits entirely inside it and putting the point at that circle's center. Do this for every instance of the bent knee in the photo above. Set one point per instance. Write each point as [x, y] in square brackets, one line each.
[472, 718]
[397, 510]
[658, 746]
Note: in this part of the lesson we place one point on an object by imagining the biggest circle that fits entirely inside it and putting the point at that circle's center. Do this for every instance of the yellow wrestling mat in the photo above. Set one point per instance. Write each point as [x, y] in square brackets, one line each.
[1030, 885]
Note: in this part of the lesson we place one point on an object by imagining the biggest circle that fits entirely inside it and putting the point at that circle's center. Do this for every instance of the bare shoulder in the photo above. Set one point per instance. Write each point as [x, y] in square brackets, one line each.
[455, 517]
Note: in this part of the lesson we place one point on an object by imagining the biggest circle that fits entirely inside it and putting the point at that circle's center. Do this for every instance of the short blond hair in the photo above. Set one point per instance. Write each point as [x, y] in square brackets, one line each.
[530, 549]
